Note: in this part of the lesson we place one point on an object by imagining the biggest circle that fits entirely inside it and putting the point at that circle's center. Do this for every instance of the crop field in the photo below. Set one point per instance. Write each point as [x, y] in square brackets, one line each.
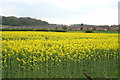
[32, 54]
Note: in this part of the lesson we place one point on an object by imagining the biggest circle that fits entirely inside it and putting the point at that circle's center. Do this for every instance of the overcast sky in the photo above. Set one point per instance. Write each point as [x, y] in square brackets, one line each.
[94, 12]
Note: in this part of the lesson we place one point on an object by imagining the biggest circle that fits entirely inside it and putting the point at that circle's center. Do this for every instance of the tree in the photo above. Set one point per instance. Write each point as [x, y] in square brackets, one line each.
[81, 24]
[64, 27]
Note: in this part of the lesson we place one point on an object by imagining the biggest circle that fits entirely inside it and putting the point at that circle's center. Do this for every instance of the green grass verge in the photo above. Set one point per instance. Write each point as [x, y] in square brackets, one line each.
[94, 31]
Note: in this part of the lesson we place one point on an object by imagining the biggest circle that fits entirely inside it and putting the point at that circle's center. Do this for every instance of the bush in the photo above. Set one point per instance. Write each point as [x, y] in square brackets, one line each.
[61, 31]
[54, 30]
[64, 27]
[41, 30]
[6, 29]
[89, 31]
[51, 30]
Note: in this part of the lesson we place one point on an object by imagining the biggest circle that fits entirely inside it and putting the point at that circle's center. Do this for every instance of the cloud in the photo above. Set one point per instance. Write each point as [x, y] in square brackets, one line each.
[63, 11]
[53, 20]
[98, 17]
[8, 11]
[82, 3]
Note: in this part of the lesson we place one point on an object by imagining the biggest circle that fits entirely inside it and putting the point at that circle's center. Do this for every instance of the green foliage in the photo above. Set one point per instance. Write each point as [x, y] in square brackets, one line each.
[81, 24]
[23, 21]
[29, 29]
[54, 30]
[41, 30]
[51, 30]
[64, 27]
[89, 31]
[5, 29]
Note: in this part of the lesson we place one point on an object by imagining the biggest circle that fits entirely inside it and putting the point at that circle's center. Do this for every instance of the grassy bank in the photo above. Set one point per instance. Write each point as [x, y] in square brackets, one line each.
[94, 31]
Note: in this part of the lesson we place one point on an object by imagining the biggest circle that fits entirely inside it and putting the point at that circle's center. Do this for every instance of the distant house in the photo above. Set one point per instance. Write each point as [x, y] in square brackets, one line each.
[77, 27]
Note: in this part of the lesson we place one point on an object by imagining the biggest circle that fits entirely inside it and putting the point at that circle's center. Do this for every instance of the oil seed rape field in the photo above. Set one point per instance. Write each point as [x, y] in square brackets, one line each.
[58, 55]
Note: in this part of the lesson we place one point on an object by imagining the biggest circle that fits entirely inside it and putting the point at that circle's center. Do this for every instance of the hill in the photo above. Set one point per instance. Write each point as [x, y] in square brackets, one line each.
[22, 21]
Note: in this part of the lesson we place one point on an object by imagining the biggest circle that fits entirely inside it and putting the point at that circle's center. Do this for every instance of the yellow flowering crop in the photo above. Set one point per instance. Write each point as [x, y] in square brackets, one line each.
[46, 51]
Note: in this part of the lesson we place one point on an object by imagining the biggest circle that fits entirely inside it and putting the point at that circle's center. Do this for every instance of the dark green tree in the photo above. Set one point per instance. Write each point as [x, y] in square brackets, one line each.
[81, 24]
[64, 27]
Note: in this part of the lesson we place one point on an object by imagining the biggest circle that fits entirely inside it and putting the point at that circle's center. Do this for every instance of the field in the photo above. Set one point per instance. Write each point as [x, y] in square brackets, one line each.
[58, 55]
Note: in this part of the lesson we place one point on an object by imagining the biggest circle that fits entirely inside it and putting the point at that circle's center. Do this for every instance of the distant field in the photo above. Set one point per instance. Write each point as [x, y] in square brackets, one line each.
[58, 54]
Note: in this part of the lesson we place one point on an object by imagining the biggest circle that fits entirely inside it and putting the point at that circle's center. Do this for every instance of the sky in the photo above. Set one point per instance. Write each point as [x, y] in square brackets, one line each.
[93, 12]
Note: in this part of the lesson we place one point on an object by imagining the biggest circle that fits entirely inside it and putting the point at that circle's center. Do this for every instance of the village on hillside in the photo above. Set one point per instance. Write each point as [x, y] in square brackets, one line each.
[13, 22]
[74, 27]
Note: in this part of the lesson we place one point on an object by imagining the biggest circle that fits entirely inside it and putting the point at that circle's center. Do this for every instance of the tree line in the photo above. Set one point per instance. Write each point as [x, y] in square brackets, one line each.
[22, 21]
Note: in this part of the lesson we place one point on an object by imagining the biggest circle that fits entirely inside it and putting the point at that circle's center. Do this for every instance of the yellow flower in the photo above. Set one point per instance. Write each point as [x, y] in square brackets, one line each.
[18, 59]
